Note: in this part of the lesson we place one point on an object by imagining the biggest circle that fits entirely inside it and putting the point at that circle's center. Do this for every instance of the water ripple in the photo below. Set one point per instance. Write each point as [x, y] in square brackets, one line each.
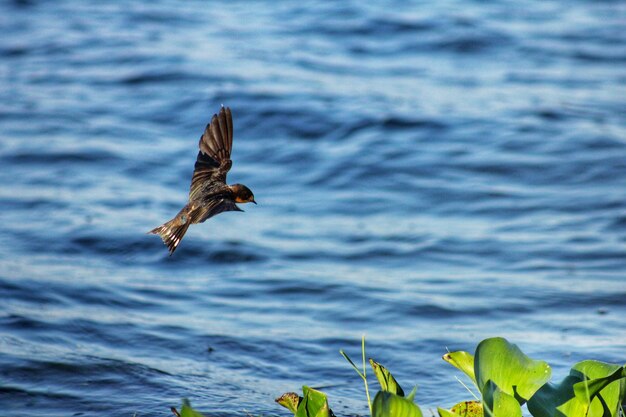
[428, 176]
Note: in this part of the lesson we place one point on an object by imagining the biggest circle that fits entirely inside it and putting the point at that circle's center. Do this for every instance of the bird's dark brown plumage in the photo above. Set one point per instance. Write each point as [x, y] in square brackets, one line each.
[209, 194]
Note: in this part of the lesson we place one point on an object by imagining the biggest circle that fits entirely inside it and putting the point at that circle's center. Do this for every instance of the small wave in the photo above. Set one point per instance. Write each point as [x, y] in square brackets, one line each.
[164, 77]
[62, 158]
[412, 124]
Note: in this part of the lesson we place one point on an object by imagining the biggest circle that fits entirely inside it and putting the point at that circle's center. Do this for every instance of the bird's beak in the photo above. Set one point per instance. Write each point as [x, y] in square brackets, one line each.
[253, 201]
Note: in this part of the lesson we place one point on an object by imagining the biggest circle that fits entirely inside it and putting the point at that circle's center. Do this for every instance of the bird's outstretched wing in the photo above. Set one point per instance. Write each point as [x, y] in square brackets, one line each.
[213, 160]
[211, 208]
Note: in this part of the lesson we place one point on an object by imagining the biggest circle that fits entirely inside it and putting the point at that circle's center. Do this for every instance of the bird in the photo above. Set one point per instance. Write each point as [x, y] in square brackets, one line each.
[209, 195]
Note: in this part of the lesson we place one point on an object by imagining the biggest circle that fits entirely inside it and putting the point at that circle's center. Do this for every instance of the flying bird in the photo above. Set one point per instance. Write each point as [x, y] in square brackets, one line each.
[209, 194]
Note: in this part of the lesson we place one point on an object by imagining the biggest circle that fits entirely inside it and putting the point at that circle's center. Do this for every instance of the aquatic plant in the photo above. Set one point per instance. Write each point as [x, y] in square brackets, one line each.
[506, 380]
[389, 401]
[186, 410]
[505, 377]
[592, 388]
[313, 403]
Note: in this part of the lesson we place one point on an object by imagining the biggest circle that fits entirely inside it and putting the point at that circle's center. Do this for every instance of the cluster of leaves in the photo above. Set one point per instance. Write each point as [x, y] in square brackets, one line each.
[389, 401]
[507, 379]
[503, 375]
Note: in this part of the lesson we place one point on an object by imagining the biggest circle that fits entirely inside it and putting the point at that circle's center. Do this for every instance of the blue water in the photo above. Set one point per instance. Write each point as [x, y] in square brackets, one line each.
[427, 175]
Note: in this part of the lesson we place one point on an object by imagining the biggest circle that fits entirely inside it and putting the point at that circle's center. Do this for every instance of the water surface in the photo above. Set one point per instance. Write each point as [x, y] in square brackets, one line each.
[428, 175]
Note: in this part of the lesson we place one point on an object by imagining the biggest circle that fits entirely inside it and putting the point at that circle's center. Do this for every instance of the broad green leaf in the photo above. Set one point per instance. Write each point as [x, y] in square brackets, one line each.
[387, 404]
[557, 400]
[505, 405]
[496, 400]
[289, 400]
[468, 409]
[385, 379]
[592, 389]
[313, 404]
[187, 411]
[447, 413]
[463, 361]
[499, 362]
[600, 378]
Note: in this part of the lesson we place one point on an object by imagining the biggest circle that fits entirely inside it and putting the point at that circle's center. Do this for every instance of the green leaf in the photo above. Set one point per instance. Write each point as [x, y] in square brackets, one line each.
[385, 379]
[468, 409]
[505, 405]
[592, 389]
[313, 404]
[289, 400]
[447, 413]
[599, 387]
[387, 404]
[557, 400]
[499, 362]
[345, 355]
[187, 411]
[463, 361]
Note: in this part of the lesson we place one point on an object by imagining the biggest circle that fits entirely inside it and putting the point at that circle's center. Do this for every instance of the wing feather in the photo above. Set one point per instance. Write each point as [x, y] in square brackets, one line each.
[213, 161]
[229, 124]
[223, 131]
[212, 208]
[217, 144]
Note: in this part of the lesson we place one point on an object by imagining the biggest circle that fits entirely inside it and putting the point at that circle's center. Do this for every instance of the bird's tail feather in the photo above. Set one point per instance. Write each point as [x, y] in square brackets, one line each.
[172, 232]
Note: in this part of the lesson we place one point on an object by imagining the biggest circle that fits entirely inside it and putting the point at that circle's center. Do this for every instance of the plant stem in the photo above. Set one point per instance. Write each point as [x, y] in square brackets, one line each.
[362, 375]
[367, 391]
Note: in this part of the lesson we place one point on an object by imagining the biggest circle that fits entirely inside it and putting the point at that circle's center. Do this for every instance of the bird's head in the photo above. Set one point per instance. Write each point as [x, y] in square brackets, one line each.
[242, 194]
